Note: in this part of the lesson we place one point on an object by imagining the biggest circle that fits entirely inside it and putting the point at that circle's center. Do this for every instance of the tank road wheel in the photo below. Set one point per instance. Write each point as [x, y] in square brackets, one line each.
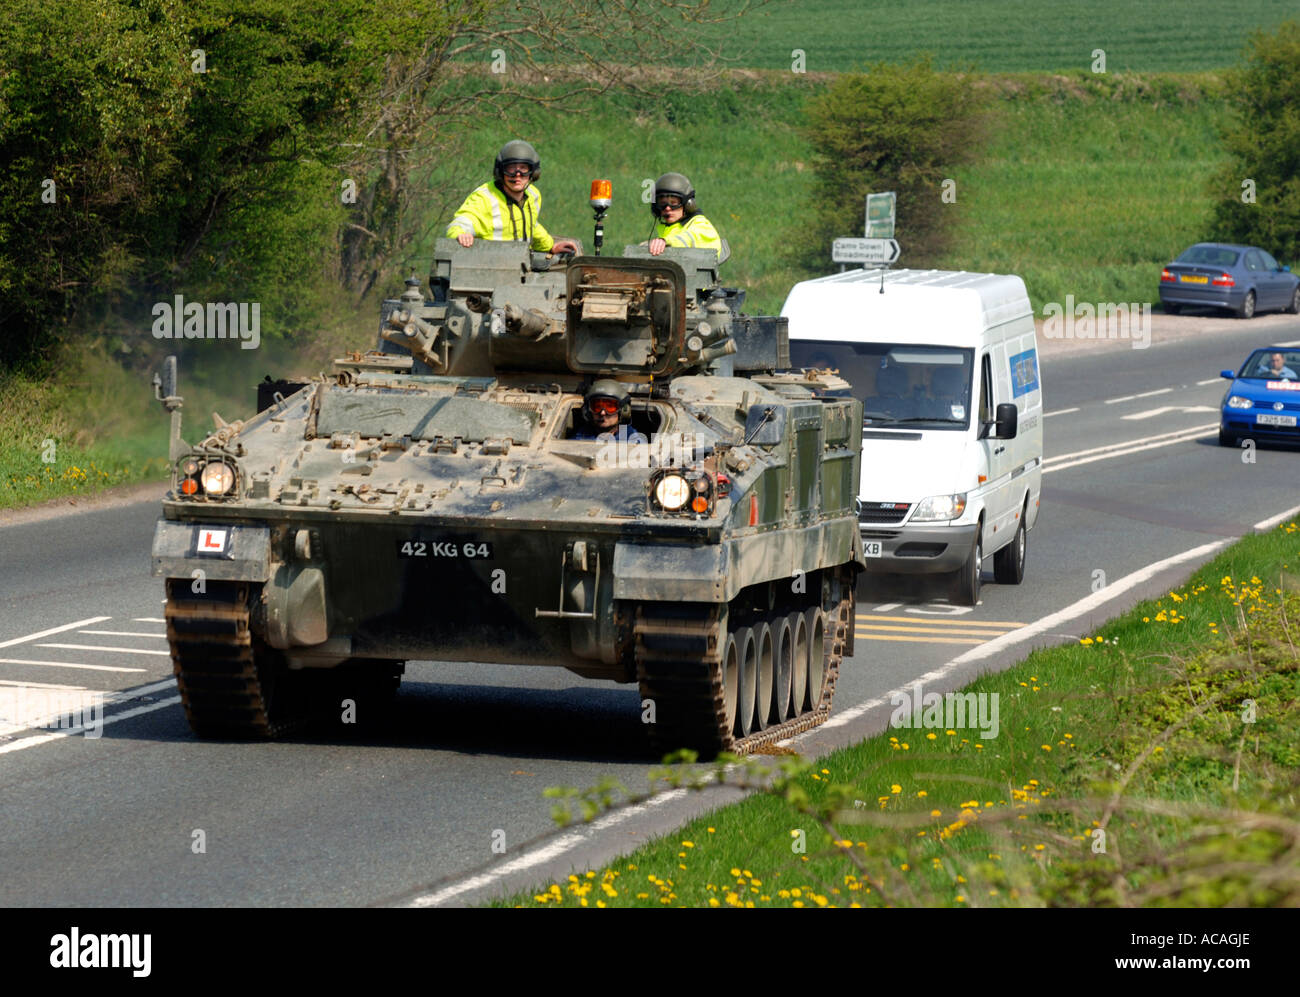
[816, 622]
[766, 653]
[748, 680]
[730, 679]
[798, 663]
[231, 684]
[782, 639]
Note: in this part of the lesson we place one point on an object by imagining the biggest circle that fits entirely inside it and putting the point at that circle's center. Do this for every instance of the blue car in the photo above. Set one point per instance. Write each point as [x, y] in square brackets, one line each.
[1242, 279]
[1263, 401]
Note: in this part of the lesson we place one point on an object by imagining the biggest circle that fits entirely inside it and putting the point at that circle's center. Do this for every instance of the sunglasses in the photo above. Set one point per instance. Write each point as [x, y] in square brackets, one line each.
[522, 171]
[604, 406]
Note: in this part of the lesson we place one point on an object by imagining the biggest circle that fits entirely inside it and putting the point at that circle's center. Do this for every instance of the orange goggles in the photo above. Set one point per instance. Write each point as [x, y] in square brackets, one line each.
[603, 406]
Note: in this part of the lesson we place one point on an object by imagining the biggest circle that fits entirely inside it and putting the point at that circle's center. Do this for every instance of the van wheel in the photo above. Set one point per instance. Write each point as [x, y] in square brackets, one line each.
[1009, 562]
[966, 585]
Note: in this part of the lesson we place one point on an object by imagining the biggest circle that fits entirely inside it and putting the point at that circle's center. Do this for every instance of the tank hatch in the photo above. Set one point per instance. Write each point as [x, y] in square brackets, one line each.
[626, 317]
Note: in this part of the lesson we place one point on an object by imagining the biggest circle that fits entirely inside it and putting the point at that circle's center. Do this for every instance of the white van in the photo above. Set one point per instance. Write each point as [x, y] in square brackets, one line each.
[946, 366]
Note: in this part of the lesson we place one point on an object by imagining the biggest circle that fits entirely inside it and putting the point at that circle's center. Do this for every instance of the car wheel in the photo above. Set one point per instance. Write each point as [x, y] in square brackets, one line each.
[1247, 309]
[966, 585]
[1009, 562]
[1172, 309]
[1227, 439]
[1295, 302]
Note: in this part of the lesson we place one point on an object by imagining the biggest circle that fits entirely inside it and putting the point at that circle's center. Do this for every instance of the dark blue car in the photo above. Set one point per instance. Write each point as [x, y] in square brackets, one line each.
[1243, 279]
[1263, 400]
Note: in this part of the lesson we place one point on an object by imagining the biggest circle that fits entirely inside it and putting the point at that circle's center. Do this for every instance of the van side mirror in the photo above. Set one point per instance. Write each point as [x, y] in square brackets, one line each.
[1005, 421]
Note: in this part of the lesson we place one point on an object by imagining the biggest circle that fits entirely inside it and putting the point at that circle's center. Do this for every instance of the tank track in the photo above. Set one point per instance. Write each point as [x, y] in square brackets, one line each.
[230, 684]
[678, 653]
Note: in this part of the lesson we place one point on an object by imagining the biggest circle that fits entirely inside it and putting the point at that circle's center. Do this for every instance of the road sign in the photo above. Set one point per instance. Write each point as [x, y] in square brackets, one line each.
[864, 251]
[880, 215]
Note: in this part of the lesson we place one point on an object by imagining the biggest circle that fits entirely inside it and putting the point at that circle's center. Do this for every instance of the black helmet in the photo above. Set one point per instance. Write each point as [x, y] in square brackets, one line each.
[517, 151]
[677, 184]
[608, 388]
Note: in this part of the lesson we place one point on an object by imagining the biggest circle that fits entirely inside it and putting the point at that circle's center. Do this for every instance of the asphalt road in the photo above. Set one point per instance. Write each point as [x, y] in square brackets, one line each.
[1134, 476]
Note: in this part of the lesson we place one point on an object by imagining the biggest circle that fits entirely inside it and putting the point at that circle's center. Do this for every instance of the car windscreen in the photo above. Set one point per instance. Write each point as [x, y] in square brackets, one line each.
[1272, 365]
[1212, 256]
[899, 384]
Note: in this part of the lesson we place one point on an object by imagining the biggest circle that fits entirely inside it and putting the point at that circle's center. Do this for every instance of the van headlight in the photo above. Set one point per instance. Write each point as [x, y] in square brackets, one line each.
[939, 507]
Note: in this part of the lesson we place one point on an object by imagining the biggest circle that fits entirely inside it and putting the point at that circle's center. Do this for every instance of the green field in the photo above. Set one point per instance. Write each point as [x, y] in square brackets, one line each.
[998, 35]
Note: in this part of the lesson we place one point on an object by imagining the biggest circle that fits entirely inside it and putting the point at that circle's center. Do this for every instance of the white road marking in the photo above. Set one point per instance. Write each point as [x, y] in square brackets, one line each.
[1267, 524]
[67, 664]
[99, 647]
[1151, 413]
[31, 742]
[1145, 394]
[55, 630]
[546, 852]
[148, 619]
[120, 633]
[1064, 411]
[42, 685]
[110, 699]
[1182, 436]
[1213, 380]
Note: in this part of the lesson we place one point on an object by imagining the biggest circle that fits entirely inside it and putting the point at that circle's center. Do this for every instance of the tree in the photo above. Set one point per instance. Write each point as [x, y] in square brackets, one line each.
[899, 128]
[1263, 146]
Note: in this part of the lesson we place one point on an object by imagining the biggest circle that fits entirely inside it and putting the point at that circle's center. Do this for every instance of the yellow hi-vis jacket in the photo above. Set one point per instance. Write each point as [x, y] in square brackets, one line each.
[490, 214]
[696, 232]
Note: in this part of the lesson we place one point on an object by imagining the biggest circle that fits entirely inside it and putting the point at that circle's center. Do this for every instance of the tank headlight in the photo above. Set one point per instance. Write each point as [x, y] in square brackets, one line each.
[217, 478]
[672, 492]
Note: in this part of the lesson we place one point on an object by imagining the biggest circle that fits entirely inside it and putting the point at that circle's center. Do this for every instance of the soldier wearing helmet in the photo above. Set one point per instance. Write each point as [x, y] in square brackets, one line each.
[508, 207]
[606, 408]
[678, 221]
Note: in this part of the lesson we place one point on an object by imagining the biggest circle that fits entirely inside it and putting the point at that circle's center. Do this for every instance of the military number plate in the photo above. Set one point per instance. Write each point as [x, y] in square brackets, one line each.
[445, 549]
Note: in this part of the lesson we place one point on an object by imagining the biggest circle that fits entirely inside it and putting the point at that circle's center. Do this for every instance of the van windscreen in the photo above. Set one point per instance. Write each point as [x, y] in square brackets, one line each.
[923, 387]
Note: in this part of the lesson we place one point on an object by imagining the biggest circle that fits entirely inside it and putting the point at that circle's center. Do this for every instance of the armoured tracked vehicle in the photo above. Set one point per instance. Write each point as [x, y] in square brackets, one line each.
[428, 500]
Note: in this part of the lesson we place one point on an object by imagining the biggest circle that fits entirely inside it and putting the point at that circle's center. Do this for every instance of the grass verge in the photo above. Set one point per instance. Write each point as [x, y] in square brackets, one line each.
[1153, 763]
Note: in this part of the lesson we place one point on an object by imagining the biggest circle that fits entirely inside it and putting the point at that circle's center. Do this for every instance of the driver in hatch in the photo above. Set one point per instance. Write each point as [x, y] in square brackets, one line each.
[606, 408]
